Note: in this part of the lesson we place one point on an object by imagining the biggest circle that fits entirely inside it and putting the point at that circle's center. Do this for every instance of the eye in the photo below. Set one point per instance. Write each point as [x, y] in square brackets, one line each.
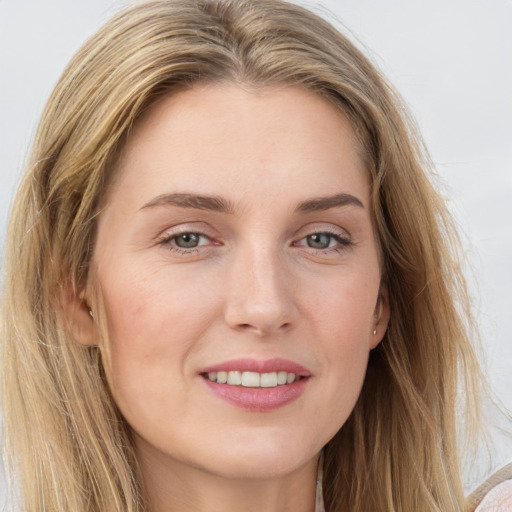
[187, 240]
[319, 240]
[322, 241]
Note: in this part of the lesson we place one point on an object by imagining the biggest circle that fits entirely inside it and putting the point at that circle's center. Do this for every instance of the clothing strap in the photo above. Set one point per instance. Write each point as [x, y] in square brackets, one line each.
[476, 497]
[319, 503]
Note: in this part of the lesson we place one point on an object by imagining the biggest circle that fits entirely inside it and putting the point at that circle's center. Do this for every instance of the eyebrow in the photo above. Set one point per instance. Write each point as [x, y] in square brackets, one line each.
[184, 200]
[326, 203]
[219, 204]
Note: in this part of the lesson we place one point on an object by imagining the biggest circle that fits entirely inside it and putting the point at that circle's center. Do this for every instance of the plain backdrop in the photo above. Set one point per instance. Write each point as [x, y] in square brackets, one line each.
[450, 59]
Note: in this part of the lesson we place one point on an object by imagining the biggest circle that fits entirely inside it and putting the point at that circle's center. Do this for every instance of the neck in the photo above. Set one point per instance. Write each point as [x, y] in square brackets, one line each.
[173, 486]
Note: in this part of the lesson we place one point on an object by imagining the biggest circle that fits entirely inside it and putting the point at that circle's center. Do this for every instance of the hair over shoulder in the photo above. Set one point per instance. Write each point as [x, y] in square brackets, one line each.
[67, 440]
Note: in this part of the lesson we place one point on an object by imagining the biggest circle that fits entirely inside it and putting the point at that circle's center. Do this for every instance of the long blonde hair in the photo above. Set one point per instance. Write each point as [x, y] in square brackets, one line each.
[71, 447]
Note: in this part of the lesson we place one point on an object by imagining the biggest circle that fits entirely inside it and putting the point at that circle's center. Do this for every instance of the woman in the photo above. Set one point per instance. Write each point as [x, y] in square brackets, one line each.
[228, 274]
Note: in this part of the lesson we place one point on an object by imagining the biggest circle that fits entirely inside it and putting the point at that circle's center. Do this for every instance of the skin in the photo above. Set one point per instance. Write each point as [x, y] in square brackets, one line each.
[253, 287]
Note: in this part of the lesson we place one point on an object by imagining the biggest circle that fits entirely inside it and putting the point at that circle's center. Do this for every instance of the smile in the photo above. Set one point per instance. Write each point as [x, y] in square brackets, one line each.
[254, 385]
[253, 379]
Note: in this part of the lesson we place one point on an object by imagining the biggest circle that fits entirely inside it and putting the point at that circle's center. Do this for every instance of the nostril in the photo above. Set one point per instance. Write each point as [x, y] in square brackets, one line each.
[250, 326]
[262, 329]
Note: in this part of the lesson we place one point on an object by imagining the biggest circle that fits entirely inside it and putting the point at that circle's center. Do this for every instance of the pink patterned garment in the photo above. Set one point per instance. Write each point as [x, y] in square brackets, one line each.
[499, 499]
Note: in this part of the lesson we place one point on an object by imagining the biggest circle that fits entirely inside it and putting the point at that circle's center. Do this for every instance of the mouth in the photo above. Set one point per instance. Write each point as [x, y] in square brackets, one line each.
[253, 379]
[257, 385]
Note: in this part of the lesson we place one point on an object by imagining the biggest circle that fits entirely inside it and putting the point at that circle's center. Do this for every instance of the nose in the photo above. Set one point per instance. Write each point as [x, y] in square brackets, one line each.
[260, 293]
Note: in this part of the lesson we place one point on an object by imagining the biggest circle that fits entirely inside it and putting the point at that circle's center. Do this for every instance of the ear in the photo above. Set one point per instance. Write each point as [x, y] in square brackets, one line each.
[381, 316]
[76, 316]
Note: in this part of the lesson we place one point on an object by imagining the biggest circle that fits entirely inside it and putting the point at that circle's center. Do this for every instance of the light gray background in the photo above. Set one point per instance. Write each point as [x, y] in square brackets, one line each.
[450, 59]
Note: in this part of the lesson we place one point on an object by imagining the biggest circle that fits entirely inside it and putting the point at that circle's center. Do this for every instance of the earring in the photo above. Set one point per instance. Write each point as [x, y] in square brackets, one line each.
[374, 331]
[90, 313]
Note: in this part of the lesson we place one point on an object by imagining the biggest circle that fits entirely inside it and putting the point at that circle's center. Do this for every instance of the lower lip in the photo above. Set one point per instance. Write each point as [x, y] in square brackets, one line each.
[258, 399]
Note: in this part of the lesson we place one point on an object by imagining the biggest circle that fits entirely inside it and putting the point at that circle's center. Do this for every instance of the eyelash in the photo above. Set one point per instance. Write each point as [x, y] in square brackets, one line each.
[343, 242]
[167, 241]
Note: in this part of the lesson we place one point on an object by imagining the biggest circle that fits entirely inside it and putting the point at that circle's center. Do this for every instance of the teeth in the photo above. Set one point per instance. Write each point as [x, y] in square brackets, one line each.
[269, 380]
[281, 378]
[253, 379]
[235, 378]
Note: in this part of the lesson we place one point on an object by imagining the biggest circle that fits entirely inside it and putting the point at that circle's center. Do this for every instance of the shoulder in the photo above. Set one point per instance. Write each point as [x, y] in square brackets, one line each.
[495, 494]
[498, 499]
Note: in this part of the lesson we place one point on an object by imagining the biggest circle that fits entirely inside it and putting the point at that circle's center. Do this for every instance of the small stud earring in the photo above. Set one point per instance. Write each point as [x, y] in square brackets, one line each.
[90, 313]
[374, 331]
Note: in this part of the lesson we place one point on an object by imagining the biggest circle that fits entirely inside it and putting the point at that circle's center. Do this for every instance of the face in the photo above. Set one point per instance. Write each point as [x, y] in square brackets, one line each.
[239, 272]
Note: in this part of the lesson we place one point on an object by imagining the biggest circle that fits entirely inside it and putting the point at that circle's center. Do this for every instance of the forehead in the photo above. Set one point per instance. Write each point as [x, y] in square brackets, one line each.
[209, 135]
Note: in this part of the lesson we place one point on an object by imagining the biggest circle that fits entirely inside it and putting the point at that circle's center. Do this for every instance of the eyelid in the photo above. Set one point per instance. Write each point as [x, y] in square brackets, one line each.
[199, 228]
[202, 230]
[335, 236]
[343, 238]
[167, 237]
[326, 228]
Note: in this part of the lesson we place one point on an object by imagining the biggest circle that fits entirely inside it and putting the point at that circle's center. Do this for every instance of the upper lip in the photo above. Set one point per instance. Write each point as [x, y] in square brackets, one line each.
[276, 364]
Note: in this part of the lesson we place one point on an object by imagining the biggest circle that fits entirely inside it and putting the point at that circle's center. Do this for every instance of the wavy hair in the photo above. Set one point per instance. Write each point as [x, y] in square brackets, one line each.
[68, 442]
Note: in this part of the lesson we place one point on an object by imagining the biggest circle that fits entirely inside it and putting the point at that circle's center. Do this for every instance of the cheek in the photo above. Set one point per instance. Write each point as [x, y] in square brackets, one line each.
[343, 315]
[146, 309]
[154, 323]
[343, 305]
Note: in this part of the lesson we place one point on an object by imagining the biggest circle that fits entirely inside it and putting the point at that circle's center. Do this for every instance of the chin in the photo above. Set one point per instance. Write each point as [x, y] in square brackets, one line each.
[265, 467]
[262, 458]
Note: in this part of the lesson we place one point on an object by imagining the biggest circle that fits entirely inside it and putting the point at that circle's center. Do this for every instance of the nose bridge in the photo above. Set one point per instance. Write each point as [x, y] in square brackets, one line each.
[260, 295]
